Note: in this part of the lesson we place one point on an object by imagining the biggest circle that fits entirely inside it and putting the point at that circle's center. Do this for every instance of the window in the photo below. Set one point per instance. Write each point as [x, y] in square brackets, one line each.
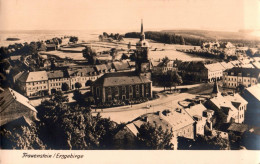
[123, 90]
[97, 91]
[116, 91]
[130, 89]
[137, 88]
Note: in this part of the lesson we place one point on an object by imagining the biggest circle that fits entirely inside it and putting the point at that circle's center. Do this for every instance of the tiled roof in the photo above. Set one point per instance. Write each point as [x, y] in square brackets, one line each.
[196, 110]
[227, 65]
[18, 122]
[174, 120]
[9, 95]
[121, 66]
[255, 91]
[214, 67]
[236, 99]
[33, 76]
[246, 72]
[121, 78]
[101, 67]
[222, 102]
[155, 63]
[56, 74]
[86, 71]
[256, 65]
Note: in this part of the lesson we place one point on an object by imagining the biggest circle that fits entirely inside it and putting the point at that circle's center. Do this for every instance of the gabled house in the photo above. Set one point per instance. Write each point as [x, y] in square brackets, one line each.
[13, 105]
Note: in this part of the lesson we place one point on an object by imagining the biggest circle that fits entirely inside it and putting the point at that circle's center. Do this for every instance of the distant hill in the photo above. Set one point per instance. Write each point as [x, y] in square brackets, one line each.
[212, 35]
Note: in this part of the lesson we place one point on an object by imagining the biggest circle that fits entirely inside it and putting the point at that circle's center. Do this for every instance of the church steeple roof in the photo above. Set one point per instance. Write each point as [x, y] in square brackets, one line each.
[142, 27]
[142, 36]
[215, 90]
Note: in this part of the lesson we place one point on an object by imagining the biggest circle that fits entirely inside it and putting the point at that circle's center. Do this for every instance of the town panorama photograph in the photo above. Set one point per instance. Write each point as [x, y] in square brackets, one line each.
[130, 75]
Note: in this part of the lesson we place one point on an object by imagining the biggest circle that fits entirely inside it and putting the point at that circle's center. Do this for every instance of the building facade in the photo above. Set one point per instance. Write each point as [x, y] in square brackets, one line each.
[121, 86]
[245, 76]
[34, 84]
[56, 79]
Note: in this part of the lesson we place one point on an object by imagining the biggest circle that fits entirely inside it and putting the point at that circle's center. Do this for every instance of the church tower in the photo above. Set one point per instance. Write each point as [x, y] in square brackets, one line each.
[215, 91]
[143, 63]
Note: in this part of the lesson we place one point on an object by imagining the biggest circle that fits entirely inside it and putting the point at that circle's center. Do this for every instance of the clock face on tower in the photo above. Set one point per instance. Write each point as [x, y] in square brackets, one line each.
[145, 67]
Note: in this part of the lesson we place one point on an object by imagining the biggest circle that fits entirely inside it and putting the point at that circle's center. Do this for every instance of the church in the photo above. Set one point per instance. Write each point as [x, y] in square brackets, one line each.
[127, 85]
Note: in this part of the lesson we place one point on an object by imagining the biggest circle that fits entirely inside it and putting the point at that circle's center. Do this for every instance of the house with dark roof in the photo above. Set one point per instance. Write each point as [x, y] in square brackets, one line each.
[121, 86]
[51, 47]
[56, 79]
[241, 76]
[13, 106]
[81, 75]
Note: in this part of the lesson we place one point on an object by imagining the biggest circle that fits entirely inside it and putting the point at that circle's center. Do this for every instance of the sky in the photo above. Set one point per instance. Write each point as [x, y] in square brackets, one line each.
[221, 15]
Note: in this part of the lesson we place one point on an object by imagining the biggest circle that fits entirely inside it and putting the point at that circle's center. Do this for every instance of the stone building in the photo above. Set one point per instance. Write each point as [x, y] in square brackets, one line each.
[33, 84]
[121, 86]
[56, 79]
[245, 76]
[127, 85]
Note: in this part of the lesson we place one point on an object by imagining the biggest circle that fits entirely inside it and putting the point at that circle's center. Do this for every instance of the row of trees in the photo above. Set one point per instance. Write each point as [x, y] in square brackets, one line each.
[169, 38]
[169, 80]
[106, 36]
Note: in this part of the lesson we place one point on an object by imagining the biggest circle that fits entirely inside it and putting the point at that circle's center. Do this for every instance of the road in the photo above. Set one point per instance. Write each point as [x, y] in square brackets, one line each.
[166, 101]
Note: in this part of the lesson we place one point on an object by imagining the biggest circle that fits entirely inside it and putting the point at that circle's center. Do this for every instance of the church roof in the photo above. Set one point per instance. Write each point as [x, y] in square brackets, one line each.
[121, 78]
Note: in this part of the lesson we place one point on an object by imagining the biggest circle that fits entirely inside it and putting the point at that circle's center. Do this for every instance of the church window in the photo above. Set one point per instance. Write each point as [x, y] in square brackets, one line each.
[137, 88]
[130, 89]
[123, 90]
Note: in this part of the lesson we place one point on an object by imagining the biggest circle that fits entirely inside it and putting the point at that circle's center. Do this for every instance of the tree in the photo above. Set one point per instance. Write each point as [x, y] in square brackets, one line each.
[78, 85]
[65, 87]
[100, 37]
[113, 51]
[105, 35]
[153, 137]
[89, 83]
[74, 127]
[22, 137]
[58, 97]
[74, 39]
[172, 79]
[120, 38]
[90, 55]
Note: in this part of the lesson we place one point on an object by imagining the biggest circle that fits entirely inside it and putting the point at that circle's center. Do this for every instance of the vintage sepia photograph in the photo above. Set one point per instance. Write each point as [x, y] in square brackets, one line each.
[129, 75]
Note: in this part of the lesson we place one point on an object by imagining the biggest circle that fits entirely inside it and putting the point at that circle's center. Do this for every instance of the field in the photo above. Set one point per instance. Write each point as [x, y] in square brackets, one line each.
[212, 35]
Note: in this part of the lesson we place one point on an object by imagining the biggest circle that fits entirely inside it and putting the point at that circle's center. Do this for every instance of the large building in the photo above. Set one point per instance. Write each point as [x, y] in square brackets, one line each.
[245, 76]
[127, 85]
[56, 80]
[33, 83]
[121, 86]
[13, 106]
